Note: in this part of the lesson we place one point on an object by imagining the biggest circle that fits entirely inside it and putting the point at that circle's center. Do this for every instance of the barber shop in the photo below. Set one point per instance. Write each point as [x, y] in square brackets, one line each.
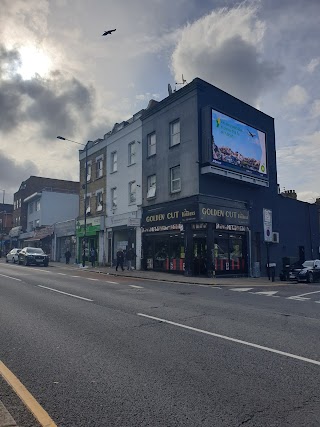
[198, 236]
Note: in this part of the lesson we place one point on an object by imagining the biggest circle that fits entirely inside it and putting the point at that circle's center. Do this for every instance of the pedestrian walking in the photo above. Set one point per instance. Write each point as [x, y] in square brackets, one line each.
[93, 257]
[130, 255]
[68, 256]
[120, 259]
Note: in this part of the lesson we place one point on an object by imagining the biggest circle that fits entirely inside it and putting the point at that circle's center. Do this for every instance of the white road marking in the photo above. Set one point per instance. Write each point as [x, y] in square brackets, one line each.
[308, 293]
[267, 293]
[95, 280]
[65, 293]
[318, 302]
[38, 269]
[114, 283]
[135, 286]
[297, 298]
[260, 347]
[9, 277]
[75, 276]
[241, 289]
[62, 274]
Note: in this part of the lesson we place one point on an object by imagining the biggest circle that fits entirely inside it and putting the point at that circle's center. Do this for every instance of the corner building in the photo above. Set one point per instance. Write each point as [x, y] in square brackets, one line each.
[211, 203]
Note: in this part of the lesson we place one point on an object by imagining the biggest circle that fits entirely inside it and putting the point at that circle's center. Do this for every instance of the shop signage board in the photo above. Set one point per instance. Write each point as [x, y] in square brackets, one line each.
[267, 225]
[196, 212]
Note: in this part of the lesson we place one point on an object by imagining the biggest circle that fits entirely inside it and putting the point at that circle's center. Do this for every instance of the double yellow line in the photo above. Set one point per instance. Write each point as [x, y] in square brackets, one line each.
[38, 412]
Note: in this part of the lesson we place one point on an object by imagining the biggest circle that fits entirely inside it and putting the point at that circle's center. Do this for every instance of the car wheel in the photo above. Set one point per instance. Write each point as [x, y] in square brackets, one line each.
[310, 277]
[45, 264]
[26, 262]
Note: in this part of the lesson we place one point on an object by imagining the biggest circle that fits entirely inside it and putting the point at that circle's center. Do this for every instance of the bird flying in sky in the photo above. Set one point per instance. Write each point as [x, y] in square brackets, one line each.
[108, 32]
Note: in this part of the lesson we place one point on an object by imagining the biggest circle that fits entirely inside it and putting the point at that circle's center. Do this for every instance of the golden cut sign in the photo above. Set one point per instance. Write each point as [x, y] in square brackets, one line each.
[224, 215]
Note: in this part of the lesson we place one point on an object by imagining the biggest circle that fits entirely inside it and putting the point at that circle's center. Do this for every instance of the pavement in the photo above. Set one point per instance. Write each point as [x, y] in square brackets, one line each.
[175, 277]
[6, 419]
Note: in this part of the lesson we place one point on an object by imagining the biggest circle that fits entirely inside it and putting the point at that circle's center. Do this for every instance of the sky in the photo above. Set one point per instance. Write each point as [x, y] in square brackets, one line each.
[59, 76]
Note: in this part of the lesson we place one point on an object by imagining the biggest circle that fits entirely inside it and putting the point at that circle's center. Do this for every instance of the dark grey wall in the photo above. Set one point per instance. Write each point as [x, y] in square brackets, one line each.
[186, 153]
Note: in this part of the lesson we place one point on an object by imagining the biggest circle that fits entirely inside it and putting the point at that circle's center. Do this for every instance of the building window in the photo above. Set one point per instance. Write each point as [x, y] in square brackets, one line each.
[152, 144]
[99, 201]
[99, 167]
[175, 181]
[132, 192]
[131, 153]
[30, 225]
[37, 205]
[151, 186]
[31, 207]
[37, 223]
[18, 220]
[89, 171]
[175, 133]
[88, 205]
[114, 202]
[19, 203]
[114, 162]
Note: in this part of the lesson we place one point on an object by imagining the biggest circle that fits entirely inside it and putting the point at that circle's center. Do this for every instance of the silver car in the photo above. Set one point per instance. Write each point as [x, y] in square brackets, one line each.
[12, 256]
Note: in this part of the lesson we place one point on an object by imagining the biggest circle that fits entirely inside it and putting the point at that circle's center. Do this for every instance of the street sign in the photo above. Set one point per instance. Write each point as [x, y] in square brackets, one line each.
[267, 225]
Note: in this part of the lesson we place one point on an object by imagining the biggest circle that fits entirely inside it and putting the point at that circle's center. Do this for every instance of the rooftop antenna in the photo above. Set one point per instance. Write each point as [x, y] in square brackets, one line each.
[169, 89]
[184, 81]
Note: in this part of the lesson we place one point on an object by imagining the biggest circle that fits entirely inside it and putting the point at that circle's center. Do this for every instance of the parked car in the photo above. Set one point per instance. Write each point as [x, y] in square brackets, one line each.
[310, 272]
[291, 271]
[12, 256]
[35, 256]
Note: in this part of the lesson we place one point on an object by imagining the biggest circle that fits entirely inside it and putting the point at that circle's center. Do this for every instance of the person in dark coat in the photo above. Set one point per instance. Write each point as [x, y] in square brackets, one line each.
[120, 259]
[93, 257]
[130, 257]
[68, 256]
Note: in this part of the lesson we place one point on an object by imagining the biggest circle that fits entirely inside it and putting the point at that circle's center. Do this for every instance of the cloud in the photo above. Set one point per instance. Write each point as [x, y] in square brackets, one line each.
[296, 95]
[13, 173]
[315, 108]
[225, 49]
[313, 64]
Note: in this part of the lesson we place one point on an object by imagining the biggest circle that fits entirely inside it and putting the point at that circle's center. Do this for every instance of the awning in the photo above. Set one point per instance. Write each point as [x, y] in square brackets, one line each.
[31, 239]
[41, 233]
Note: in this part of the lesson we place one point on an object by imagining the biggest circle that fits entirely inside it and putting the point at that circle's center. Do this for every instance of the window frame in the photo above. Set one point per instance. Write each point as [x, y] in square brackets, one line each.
[176, 179]
[172, 135]
[131, 154]
[132, 193]
[114, 161]
[149, 145]
[114, 198]
[150, 186]
[99, 171]
[89, 170]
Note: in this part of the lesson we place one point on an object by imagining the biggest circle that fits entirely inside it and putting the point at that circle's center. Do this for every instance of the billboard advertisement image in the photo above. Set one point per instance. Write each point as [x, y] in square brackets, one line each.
[238, 146]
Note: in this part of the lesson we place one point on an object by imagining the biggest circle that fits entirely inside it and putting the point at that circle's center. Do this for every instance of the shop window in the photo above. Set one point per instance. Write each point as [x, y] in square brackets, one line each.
[175, 180]
[175, 133]
[152, 147]
[151, 186]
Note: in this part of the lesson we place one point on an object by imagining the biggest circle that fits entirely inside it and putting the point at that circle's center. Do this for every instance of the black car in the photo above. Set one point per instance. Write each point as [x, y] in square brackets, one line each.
[291, 271]
[33, 256]
[310, 272]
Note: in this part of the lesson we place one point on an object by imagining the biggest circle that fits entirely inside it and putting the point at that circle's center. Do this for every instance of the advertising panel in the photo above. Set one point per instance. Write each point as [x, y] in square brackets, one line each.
[238, 146]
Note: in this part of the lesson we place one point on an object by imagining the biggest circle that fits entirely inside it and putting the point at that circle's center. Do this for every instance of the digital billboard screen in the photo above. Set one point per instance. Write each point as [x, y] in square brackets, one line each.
[238, 146]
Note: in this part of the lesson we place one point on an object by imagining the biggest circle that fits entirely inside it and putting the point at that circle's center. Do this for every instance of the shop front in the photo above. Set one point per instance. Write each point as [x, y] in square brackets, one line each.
[89, 236]
[196, 238]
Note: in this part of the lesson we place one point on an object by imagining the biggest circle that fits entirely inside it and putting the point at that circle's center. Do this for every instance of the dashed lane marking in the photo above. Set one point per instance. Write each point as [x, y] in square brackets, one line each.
[308, 293]
[241, 289]
[135, 286]
[249, 344]
[39, 413]
[266, 293]
[65, 293]
[113, 283]
[94, 280]
[9, 277]
[62, 274]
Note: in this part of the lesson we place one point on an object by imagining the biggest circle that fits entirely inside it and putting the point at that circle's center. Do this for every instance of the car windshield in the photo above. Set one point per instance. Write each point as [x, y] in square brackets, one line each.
[35, 251]
[308, 264]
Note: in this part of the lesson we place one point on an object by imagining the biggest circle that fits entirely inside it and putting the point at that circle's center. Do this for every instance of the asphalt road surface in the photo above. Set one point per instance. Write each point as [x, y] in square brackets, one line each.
[97, 350]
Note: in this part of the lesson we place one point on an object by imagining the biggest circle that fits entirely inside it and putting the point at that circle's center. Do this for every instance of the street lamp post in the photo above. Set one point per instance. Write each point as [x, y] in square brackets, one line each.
[85, 196]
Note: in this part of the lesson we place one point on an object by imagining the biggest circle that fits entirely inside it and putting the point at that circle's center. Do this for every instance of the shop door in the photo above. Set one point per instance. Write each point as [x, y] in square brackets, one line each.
[199, 256]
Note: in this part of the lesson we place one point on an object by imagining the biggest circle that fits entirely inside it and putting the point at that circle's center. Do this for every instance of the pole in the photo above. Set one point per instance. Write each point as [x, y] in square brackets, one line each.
[2, 214]
[85, 207]
[268, 260]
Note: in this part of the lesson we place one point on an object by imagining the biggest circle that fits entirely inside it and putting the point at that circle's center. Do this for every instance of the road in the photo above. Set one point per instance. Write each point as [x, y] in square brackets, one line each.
[96, 350]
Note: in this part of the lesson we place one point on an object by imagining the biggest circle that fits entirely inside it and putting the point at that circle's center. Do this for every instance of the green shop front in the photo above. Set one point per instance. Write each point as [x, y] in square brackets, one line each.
[197, 236]
[88, 236]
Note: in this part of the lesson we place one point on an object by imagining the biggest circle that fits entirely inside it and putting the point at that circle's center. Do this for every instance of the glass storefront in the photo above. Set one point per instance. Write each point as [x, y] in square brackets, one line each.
[164, 252]
[230, 253]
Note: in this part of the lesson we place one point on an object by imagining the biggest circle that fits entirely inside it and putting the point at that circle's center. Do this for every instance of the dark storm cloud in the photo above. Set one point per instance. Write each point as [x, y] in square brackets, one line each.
[13, 173]
[55, 103]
